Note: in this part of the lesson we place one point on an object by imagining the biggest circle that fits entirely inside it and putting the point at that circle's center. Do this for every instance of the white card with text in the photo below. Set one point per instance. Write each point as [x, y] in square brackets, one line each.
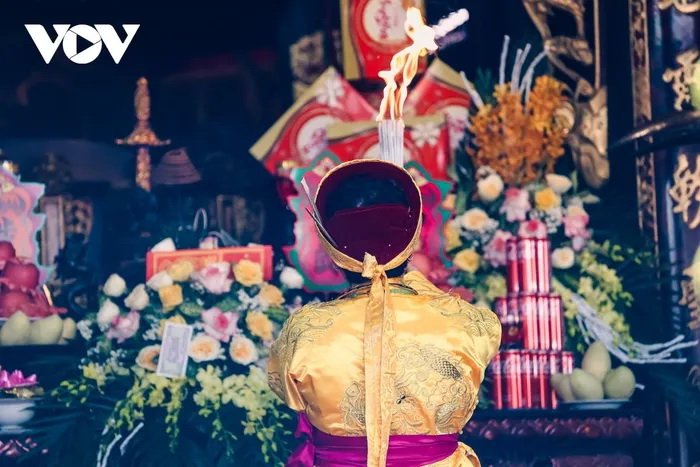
[172, 362]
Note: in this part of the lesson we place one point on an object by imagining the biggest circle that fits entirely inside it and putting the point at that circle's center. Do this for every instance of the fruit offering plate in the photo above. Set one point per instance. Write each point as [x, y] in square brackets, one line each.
[604, 404]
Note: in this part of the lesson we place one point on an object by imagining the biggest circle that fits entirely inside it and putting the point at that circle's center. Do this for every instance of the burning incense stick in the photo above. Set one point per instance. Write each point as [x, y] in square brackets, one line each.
[399, 76]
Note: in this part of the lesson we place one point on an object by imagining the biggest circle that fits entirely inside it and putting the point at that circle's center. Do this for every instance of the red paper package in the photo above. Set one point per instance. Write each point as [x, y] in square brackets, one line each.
[373, 31]
[441, 90]
[425, 142]
[300, 134]
[157, 261]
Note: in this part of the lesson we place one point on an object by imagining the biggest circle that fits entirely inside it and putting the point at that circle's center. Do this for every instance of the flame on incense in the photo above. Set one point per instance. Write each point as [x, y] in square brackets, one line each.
[404, 65]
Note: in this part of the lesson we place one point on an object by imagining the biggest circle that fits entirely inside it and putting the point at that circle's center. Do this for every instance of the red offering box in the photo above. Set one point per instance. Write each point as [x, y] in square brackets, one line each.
[162, 260]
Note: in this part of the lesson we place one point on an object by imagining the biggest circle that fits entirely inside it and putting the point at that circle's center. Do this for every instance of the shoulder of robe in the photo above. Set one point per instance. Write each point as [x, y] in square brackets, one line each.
[313, 313]
[420, 284]
[477, 321]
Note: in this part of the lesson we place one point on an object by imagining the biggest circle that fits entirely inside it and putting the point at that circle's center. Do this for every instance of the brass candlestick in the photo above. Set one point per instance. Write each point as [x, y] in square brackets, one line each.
[143, 137]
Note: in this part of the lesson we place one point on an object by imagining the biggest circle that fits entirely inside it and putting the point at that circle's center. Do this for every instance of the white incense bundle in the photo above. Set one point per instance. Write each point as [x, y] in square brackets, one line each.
[391, 141]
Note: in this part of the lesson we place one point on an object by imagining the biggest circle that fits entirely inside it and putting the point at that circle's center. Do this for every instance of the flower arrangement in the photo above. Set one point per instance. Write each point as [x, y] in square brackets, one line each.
[520, 129]
[580, 265]
[223, 396]
[509, 188]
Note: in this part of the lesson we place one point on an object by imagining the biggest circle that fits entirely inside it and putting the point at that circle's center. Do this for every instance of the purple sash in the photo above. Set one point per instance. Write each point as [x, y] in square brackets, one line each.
[322, 450]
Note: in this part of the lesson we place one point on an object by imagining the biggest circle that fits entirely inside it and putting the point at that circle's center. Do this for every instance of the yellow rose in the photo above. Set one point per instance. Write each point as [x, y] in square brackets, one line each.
[259, 325]
[467, 260]
[147, 356]
[248, 273]
[243, 351]
[271, 295]
[181, 270]
[452, 239]
[177, 319]
[204, 348]
[170, 296]
[547, 199]
[476, 220]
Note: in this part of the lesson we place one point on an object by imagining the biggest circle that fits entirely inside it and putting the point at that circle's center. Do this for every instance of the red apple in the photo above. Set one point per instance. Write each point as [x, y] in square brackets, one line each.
[11, 301]
[18, 273]
[7, 251]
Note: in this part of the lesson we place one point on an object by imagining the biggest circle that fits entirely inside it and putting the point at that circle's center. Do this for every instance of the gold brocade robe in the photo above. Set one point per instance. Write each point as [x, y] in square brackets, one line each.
[442, 347]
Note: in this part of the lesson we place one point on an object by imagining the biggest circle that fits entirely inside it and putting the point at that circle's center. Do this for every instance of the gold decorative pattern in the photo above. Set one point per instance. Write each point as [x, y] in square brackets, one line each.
[684, 6]
[646, 195]
[478, 321]
[685, 191]
[299, 330]
[449, 397]
[352, 406]
[274, 380]
[428, 381]
[143, 136]
[690, 300]
[303, 326]
[588, 139]
[680, 77]
[307, 61]
[639, 46]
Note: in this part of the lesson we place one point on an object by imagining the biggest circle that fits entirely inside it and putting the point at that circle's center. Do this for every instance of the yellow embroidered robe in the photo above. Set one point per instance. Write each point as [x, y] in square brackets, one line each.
[442, 347]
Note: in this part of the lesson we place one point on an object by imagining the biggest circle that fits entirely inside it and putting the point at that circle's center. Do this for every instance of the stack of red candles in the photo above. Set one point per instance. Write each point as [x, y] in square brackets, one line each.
[533, 331]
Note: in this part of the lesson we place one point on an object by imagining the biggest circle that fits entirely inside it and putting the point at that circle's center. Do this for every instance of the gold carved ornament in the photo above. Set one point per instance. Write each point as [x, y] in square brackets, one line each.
[639, 47]
[691, 300]
[588, 139]
[681, 77]
[143, 136]
[684, 6]
[307, 61]
[685, 191]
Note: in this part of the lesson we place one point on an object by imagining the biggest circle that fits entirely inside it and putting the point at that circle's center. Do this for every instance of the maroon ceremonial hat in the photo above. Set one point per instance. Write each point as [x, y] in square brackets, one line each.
[387, 230]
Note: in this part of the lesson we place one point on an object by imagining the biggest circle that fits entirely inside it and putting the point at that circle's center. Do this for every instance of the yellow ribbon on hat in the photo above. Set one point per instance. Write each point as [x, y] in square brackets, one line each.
[379, 349]
[379, 332]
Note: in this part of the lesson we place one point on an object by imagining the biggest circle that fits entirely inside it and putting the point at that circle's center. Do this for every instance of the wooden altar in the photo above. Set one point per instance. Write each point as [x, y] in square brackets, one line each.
[612, 438]
[557, 437]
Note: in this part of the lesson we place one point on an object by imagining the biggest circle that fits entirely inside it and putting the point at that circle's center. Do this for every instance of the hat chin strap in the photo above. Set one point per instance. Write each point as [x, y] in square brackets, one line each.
[379, 352]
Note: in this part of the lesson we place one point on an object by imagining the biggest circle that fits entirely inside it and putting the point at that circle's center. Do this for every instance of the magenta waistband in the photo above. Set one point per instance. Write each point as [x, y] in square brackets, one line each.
[323, 450]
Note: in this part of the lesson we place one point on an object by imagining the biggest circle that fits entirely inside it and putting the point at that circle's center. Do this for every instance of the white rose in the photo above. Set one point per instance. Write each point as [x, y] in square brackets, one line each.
[490, 188]
[115, 286]
[108, 311]
[166, 244]
[162, 279]
[243, 351]
[138, 298]
[559, 183]
[476, 219]
[204, 348]
[563, 258]
[291, 278]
